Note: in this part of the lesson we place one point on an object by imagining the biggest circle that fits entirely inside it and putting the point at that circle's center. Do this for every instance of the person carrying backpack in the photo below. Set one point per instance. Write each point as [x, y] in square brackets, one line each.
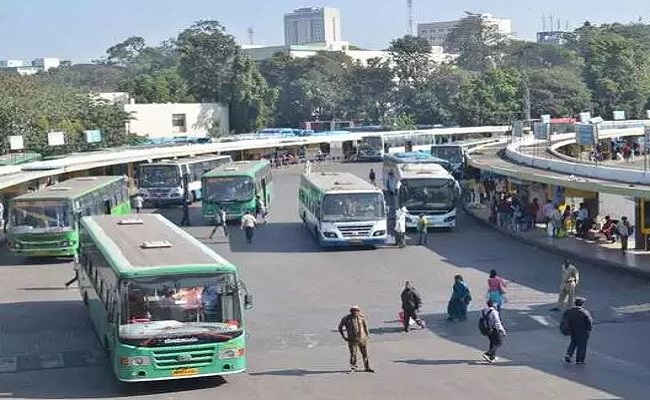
[490, 325]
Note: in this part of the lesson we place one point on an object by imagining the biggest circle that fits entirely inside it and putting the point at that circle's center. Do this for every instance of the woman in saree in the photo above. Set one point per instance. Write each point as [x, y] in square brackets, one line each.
[460, 299]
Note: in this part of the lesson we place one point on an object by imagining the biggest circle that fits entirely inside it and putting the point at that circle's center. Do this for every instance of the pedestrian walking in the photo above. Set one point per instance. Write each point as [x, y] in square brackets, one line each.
[460, 299]
[220, 221]
[625, 230]
[2, 215]
[496, 289]
[411, 302]
[400, 227]
[354, 330]
[490, 325]
[260, 208]
[307, 167]
[372, 177]
[569, 281]
[577, 323]
[423, 229]
[248, 224]
[138, 202]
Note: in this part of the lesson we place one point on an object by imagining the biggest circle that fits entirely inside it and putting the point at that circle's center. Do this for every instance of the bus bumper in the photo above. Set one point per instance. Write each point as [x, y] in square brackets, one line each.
[432, 222]
[58, 252]
[375, 241]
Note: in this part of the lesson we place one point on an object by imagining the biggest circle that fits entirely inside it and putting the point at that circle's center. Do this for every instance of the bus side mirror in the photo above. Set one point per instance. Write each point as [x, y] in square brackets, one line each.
[248, 301]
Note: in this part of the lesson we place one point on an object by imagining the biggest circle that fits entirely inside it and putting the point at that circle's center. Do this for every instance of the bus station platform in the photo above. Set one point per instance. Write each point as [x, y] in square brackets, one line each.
[598, 253]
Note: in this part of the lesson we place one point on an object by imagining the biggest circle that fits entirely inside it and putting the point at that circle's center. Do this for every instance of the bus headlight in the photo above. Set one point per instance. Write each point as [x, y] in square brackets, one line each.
[231, 353]
[330, 235]
[134, 361]
[379, 233]
[449, 219]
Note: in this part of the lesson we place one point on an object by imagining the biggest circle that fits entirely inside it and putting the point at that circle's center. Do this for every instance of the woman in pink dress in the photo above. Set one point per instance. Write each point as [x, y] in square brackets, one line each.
[496, 289]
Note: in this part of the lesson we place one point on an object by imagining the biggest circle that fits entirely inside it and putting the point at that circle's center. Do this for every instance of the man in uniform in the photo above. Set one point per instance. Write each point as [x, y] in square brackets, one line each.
[354, 330]
[570, 278]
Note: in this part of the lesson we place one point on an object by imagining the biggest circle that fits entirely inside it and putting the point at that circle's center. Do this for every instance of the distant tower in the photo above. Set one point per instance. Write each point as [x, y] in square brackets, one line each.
[409, 6]
[251, 36]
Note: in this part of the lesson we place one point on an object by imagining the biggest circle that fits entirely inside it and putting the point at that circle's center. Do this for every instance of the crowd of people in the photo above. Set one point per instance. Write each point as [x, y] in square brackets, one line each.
[576, 320]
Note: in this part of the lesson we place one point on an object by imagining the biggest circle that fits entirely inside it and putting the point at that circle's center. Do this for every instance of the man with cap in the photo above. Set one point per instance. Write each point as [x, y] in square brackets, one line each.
[356, 334]
[577, 323]
[568, 284]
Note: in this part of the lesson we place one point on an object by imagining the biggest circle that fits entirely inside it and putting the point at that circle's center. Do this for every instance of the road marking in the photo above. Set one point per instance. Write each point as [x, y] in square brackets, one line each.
[544, 320]
[49, 361]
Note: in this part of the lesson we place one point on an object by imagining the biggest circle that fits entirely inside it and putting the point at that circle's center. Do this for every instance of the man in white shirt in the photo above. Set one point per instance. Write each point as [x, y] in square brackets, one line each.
[548, 211]
[248, 223]
[400, 227]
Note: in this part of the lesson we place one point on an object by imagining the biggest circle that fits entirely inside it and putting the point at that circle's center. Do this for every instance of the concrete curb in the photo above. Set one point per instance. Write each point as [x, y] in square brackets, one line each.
[636, 272]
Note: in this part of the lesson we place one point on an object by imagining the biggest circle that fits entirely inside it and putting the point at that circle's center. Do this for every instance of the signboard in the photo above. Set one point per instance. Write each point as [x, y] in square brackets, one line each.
[517, 128]
[541, 130]
[56, 138]
[585, 117]
[16, 142]
[586, 134]
[619, 115]
[546, 118]
[93, 136]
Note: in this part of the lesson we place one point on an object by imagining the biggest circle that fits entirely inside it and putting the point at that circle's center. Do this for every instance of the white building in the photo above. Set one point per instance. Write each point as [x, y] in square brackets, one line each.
[11, 63]
[46, 63]
[436, 32]
[259, 53]
[312, 25]
[176, 119]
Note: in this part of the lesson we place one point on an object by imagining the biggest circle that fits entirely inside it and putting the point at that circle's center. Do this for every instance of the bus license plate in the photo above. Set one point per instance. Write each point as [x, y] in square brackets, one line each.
[185, 371]
[356, 241]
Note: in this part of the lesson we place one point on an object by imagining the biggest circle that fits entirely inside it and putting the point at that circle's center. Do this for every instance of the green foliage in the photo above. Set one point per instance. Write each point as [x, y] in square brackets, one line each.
[490, 98]
[479, 44]
[558, 91]
[32, 107]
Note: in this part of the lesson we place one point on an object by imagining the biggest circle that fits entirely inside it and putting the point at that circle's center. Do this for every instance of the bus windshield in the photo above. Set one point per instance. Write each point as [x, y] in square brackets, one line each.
[428, 194]
[371, 146]
[32, 215]
[453, 154]
[160, 308]
[228, 188]
[353, 207]
[160, 176]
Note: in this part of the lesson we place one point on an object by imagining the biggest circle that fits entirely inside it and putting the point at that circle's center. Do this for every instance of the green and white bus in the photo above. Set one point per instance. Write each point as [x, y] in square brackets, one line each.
[163, 305]
[341, 209]
[235, 187]
[161, 182]
[45, 223]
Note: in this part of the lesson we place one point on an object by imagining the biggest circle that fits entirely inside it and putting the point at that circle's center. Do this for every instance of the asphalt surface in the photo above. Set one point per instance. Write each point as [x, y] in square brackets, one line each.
[48, 350]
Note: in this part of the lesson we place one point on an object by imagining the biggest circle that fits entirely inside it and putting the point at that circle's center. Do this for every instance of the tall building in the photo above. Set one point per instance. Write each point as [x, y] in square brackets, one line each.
[36, 66]
[436, 32]
[312, 25]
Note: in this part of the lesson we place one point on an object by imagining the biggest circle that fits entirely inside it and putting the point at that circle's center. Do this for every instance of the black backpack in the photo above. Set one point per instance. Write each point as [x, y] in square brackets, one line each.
[484, 323]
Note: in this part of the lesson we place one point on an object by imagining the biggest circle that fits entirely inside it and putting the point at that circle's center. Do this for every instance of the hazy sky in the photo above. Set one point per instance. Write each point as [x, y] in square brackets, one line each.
[82, 29]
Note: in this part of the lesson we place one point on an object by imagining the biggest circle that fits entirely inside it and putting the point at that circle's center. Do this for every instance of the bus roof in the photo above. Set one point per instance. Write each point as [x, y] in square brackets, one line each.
[72, 188]
[423, 171]
[413, 156]
[339, 181]
[150, 245]
[186, 160]
[237, 168]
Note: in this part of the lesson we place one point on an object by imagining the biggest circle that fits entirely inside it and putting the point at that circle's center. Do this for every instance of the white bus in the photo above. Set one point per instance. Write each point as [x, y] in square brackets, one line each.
[428, 189]
[161, 182]
[341, 209]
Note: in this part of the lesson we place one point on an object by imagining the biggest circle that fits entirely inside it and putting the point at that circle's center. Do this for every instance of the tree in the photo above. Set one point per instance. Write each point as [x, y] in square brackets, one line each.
[412, 58]
[490, 98]
[478, 43]
[124, 52]
[558, 91]
[371, 90]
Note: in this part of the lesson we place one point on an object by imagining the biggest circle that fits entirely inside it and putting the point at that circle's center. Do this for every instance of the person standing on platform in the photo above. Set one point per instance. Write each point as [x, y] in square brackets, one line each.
[138, 202]
[220, 221]
[248, 224]
[570, 280]
[625, 230]
[354, 330]
[411, 302]
[577, 323]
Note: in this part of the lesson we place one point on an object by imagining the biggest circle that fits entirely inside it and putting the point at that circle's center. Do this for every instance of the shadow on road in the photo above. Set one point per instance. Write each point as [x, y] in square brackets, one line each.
[296, 372]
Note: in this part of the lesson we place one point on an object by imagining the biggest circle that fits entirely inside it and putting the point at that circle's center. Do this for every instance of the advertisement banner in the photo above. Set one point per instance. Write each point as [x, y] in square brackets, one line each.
[585, 134]
[16, 142]
[619, 115]
[93, 136]
[56, 138]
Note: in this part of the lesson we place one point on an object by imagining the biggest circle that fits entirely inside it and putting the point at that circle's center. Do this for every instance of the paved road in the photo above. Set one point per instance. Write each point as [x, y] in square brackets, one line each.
[301, 293]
